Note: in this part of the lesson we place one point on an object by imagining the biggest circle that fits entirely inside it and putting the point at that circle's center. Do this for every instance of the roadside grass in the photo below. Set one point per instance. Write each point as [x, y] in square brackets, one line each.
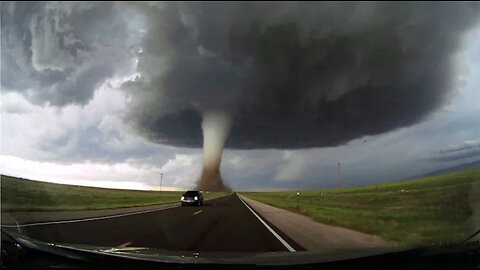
[27, 195]
[417, 212]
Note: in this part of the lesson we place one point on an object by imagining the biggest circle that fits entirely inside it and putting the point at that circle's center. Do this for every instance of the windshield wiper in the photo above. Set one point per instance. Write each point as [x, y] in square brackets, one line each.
[472, 236]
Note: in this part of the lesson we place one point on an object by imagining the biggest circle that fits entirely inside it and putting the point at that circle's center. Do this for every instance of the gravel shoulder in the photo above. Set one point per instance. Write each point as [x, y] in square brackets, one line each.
[313, 235]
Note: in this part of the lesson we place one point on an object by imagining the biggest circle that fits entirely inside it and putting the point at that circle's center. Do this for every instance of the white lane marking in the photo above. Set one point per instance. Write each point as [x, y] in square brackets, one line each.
[92, 219]
[198, 212]
[86, 219]
[290, 248]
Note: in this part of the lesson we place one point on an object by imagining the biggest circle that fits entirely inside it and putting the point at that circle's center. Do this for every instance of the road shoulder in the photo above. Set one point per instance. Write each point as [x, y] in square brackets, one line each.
[313, 235]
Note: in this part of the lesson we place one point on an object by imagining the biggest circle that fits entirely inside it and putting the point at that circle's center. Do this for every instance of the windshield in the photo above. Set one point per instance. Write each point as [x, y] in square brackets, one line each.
[238, 128]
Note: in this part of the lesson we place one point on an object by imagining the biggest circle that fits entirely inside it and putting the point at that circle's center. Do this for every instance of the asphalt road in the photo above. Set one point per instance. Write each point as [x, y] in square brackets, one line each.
[222, 224]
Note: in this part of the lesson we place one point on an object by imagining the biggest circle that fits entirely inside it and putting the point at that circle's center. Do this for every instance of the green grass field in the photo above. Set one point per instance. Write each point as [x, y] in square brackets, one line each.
[25, 195]
[429, 210]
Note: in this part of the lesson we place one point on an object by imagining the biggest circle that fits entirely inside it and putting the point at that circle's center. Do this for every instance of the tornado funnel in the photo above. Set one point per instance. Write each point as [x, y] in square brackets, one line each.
[216, 127]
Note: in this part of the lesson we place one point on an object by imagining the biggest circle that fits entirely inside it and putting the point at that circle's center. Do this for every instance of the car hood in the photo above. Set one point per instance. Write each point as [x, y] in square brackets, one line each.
[195, 257]
[393, 254]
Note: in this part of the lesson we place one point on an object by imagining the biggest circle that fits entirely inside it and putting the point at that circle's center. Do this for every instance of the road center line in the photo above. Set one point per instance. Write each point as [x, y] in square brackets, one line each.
[198, 212]
[279, 238]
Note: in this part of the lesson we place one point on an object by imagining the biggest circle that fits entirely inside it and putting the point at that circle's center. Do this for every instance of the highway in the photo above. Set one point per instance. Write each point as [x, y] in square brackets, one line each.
[223, 224]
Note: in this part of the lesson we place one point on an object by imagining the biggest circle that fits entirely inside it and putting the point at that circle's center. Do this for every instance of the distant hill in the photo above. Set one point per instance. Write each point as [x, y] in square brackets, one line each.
[453, 169]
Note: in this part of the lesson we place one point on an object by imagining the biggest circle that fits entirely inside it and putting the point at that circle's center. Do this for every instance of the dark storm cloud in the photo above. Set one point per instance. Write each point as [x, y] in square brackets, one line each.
[294, 75]
[290, 75]
[60, 53]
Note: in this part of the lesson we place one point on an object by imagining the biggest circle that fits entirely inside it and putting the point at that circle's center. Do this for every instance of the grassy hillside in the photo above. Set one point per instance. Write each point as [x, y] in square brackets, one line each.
[428, 210]
[25, 195]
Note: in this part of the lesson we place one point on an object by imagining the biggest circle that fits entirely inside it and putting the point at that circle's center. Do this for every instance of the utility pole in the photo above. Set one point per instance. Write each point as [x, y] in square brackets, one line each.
[161, 178]
[339, 176]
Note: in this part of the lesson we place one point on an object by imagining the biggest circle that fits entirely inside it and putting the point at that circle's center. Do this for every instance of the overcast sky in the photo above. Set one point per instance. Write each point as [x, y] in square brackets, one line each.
[64, 105]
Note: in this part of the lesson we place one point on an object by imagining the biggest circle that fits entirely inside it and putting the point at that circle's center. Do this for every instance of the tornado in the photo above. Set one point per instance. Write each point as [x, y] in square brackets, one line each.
[215, 127]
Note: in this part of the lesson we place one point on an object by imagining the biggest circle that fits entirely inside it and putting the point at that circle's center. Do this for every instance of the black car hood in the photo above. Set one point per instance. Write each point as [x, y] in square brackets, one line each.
[182, 257]
[391, 256]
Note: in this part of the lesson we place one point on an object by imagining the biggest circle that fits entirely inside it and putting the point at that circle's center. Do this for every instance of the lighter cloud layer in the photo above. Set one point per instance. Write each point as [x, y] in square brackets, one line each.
[117, 176]
[183, 170]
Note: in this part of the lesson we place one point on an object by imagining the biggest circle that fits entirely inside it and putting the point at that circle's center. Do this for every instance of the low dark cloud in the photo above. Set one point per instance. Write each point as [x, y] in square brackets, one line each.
[93, 144]
[294, 75]
[464, 151]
